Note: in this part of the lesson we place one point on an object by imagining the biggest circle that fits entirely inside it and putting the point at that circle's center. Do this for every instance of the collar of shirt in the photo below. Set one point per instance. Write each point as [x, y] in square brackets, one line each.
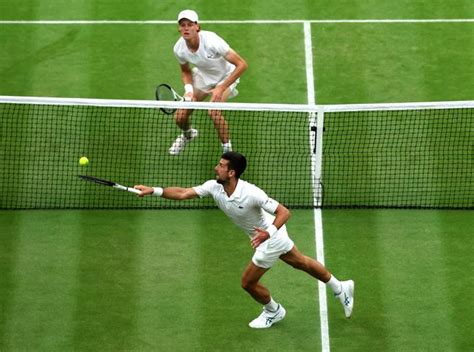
[237, 191]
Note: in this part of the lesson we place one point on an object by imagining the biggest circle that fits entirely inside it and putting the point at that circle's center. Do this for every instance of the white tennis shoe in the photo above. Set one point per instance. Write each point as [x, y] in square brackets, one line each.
[226, 147]
[181, 142]
[346, 297]
[267, 318]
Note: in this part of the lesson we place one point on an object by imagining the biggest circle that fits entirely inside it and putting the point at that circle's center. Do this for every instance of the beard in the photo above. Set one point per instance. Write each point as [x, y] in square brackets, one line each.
[222, 181]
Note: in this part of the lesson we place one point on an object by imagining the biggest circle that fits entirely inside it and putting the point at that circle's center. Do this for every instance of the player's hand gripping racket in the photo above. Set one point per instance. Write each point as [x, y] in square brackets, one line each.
[108, 183]
[164, 92]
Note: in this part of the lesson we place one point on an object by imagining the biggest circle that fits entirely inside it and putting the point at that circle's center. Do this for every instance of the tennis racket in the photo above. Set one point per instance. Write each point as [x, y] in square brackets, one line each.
[164, 92]
[103, 182]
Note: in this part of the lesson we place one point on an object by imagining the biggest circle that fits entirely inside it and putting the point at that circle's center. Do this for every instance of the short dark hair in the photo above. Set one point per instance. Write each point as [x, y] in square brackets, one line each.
[237, 162]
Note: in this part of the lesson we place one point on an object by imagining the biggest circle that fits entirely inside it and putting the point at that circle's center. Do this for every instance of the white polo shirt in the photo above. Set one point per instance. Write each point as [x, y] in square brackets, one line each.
[209, 58]
[247, 207]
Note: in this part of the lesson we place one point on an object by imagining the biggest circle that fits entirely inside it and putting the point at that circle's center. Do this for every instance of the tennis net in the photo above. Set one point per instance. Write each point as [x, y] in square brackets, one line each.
[403, 155]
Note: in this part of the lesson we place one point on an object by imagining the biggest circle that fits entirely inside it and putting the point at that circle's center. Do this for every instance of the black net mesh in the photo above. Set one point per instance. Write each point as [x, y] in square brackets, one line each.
[396, 158]
[402, 158]
[41, 146]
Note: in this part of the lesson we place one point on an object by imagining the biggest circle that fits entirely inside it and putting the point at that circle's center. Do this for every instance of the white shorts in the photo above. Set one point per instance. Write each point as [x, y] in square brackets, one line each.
[269, 251]
[198, 83]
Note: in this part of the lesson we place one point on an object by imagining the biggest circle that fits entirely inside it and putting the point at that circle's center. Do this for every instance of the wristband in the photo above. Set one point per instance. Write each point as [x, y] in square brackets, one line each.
[272, 230]
[157, 191]
[188, 88]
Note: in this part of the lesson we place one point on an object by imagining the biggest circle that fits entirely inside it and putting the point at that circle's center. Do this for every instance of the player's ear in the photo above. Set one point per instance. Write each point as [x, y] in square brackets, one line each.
[231, 173]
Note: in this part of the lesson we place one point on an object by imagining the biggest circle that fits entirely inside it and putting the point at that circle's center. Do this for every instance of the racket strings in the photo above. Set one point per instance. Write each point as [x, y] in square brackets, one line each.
[165, 94]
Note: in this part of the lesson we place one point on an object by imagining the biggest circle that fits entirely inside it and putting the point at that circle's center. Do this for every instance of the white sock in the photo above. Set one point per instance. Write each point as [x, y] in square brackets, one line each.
[271, 306]
[227, 147]
[335, 285]
[187, 133]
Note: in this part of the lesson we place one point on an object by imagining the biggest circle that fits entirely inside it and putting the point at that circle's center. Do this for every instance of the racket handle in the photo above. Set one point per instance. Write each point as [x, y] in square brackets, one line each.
[133, 190]
[128, 189]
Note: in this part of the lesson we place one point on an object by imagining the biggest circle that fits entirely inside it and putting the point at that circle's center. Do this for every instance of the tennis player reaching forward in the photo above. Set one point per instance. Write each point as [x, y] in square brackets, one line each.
[209, 67]
[250, 208]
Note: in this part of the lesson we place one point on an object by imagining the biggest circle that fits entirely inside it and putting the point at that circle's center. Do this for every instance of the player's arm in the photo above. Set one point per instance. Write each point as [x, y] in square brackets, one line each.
[282, 215]
[187, 77]
[175, 193]
[240, 66]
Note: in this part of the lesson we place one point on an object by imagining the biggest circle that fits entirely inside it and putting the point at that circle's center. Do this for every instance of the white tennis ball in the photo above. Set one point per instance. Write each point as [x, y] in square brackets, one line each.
[83, 161]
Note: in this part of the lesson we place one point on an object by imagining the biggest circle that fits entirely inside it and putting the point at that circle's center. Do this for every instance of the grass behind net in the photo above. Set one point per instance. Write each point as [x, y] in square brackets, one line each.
[414, 158]
[42, 144]
[410, 158]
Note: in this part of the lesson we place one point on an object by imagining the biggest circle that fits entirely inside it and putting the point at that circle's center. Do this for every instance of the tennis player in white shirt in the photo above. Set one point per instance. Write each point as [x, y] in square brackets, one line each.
[263, 219]
[209, 67]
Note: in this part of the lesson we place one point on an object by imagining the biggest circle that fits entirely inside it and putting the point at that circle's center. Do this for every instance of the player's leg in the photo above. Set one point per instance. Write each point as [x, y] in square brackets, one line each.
[222, 128]
[183, 121]
[272, 311]
[183, 117]
[220, 123]
[343, 290]
[302, 262]
[250, 283]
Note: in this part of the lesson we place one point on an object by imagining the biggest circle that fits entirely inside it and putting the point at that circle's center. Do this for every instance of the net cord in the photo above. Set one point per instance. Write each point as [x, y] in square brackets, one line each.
[236, 106]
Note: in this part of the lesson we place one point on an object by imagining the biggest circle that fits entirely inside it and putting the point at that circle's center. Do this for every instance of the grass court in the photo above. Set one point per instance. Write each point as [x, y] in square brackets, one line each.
[169, 280]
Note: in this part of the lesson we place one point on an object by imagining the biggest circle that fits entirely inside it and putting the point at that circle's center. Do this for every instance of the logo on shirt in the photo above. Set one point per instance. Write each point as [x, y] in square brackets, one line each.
[270, 202]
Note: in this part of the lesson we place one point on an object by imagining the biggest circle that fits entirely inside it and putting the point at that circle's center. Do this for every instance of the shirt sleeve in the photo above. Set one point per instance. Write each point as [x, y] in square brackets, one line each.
[265, 202]
[176, 51]
[219, 45]
[205, 190]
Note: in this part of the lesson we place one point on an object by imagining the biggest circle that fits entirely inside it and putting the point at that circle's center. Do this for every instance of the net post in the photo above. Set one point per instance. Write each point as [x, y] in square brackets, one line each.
[316, 120]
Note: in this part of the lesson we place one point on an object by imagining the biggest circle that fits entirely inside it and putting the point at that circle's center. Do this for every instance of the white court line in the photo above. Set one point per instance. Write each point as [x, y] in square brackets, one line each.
[152, 22]
[308, 46]
[316, 173]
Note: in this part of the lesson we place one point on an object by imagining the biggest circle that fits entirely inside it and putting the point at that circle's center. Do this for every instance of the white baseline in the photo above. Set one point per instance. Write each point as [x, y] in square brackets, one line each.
[152, 22]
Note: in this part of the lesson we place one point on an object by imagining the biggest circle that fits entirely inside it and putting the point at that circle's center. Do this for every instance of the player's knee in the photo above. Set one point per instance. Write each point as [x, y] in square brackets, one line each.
[244, 284]
[214, 114]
